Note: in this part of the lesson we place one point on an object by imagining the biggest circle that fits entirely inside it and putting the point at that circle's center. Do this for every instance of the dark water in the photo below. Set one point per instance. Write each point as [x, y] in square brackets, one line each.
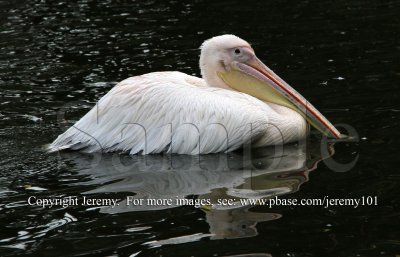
[342, 55]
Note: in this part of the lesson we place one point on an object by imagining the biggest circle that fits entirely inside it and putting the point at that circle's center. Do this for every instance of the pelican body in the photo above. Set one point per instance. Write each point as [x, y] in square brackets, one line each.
[238, 101]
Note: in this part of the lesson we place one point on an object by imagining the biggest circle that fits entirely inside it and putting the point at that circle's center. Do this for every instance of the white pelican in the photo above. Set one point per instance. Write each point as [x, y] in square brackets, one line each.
[238, 100]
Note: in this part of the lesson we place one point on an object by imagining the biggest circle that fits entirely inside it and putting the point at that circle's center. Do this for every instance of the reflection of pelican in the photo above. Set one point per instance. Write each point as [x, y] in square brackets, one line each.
[236, 223]
[212, 177]
[266, 173]
[178, 113]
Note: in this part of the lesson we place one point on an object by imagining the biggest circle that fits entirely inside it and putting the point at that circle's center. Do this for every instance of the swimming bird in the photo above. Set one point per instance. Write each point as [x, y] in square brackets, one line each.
[238, 101]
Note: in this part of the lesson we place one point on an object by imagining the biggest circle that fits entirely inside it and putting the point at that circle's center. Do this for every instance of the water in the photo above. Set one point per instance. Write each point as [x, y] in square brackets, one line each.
[341, 55]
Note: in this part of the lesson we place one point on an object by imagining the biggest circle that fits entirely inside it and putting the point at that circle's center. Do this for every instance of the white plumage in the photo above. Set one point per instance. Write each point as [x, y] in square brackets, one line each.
[178, 113]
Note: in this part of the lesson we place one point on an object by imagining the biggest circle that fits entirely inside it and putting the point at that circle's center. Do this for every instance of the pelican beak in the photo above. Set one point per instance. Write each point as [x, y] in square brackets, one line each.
[254, 78]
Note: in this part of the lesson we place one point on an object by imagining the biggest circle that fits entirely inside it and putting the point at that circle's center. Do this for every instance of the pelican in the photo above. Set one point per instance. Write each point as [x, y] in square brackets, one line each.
[238, 101]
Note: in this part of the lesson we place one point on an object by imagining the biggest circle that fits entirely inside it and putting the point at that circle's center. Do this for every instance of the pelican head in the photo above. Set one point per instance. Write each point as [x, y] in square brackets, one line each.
[229, 62]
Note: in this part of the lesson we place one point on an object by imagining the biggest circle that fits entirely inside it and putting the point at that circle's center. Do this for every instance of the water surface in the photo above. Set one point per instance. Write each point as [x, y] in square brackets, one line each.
[342, 55]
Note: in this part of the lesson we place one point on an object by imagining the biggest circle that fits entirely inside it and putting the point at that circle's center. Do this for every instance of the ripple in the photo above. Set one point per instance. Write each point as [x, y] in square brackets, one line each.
[177, 240]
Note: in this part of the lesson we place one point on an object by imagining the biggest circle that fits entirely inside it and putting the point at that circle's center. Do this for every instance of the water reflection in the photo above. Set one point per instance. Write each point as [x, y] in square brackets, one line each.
[213, 178]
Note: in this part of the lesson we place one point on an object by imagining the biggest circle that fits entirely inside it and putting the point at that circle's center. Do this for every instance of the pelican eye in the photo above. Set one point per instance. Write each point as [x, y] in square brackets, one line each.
[237, 51]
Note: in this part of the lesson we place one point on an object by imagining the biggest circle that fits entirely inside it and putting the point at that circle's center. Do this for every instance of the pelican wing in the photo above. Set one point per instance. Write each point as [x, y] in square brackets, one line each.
[169, 112]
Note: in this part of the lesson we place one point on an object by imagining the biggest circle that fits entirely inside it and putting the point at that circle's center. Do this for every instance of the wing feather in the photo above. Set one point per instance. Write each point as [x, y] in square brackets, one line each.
[168, 111]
